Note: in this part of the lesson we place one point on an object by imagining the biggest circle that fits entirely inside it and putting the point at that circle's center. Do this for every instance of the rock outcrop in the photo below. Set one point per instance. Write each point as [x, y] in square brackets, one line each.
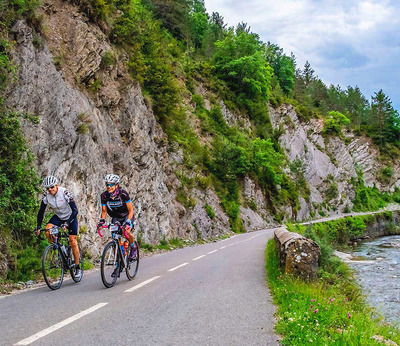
[329, 162]
[89, 128]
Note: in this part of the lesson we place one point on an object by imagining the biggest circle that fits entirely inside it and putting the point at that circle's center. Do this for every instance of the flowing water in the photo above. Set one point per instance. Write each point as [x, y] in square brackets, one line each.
[378, 272]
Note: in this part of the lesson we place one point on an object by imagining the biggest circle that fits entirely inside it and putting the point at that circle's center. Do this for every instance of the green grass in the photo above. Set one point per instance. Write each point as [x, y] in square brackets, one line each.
[323, 313]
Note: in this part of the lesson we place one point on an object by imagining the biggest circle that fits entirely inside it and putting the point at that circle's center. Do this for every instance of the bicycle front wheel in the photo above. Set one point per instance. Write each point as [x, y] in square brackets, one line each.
[109, 265]
[53, 267]
[72, 270]
[133, 263]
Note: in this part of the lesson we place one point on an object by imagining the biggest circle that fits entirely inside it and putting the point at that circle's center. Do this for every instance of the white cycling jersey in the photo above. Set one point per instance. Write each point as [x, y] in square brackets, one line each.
[59, 202]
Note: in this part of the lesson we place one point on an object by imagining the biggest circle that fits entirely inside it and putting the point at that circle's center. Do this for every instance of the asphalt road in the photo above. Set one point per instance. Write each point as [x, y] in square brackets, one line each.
[212, 294]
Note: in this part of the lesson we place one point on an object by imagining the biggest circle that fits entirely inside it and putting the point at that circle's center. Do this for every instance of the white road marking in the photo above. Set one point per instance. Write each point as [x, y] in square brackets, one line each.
[222, 247]
[195, 259]
[212, 252]
[142, 284]
[59, 325]
[177, 267]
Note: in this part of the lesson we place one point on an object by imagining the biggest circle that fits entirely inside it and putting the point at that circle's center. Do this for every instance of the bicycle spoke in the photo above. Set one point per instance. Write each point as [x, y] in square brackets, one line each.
[133, 263]
[109, 265]
[52, 267]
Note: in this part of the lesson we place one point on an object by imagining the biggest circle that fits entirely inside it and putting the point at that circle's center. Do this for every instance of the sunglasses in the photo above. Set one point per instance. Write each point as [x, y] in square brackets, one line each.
[110, 185]
[51, 187]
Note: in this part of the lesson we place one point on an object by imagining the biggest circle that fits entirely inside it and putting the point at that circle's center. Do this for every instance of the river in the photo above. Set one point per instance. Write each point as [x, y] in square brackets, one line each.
[378, 272]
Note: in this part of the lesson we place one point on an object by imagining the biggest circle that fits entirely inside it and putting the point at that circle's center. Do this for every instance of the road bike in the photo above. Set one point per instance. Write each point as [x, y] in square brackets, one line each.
[116, 257]
[58, 258]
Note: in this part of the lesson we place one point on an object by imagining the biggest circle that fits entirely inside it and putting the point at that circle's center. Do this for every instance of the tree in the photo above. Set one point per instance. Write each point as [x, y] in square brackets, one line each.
[385, 121]
[215, 31]
[198, 22]
[308, 73]
[356, 105]
[173, 15]
[239, 60]
[283, 66]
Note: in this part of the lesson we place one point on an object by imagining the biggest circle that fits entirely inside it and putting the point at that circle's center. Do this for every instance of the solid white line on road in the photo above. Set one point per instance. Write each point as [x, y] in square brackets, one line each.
[177, 267]
[195, 259]
[212, 252]
[142, 284]
[222, 247]
[59, 325]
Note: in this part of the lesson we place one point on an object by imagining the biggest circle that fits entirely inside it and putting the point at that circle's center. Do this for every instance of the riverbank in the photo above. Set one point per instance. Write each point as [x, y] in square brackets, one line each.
[332, 309]
[329, 311]
[377, 266]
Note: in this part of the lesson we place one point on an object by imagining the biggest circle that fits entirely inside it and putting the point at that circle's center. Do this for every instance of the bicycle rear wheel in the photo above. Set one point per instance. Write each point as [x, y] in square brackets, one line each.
[72, 270]
[109, 265]
[133, 264]
[52, 267]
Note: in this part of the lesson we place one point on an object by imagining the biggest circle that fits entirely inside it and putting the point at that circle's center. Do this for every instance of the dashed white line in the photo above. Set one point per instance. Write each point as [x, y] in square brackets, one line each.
[211, 252]
[177, 267]
[59, 325]
[195, 259]
[222, 247]
[134, 288]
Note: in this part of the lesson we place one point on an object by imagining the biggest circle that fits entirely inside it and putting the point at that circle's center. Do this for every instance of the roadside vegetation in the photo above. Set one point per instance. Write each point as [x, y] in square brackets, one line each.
[333, 309]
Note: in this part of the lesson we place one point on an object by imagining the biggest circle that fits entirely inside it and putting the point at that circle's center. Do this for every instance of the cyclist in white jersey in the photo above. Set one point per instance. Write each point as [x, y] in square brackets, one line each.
[65, 211]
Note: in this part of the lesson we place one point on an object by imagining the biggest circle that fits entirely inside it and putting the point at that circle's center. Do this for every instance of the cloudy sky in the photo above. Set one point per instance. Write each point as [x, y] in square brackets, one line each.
[347, 42]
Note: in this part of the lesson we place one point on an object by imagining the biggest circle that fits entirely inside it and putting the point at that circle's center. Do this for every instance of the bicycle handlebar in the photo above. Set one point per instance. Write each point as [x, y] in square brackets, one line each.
[99, 229]
[109, 225]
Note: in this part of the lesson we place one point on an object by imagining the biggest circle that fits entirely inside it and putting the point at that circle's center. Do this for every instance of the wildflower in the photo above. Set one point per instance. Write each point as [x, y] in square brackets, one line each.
[315, 311]
[313, 300]
[311, 306]
[348, 314]
[310, 340]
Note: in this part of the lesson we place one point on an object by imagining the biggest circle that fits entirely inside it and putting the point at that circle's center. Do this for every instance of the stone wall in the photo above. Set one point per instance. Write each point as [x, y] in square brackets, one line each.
[298, 255]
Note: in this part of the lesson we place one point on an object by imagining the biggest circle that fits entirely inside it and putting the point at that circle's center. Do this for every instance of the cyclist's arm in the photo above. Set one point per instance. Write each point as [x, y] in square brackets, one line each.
[130, 209]
[74, 211]
[41, 214]
[103, 212]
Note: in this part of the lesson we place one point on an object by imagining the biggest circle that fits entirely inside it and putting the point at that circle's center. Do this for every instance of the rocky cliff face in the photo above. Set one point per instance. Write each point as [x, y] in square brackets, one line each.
[94, 120]
[328, 160]
[83, 135]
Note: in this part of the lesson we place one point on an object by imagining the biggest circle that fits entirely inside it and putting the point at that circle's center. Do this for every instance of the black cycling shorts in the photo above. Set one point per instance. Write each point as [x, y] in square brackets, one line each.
[121, 220]
[72, 227]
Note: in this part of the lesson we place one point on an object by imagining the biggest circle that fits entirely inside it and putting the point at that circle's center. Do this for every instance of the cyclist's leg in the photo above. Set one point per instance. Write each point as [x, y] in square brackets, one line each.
[73, 241]
[130, 233]
[55, 220]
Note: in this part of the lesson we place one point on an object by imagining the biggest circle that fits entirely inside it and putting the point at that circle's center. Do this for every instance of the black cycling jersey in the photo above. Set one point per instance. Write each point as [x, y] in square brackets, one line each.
[116, 207]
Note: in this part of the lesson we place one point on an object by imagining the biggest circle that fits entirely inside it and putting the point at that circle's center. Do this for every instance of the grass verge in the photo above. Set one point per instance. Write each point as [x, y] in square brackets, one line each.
[324, 312]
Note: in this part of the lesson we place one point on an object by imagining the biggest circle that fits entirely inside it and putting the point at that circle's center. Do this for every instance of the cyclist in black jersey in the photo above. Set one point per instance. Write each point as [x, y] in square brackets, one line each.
[118, 205]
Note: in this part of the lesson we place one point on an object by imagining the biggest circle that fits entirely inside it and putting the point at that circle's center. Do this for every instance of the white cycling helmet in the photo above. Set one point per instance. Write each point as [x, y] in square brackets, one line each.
[49, 181]
[112, 178]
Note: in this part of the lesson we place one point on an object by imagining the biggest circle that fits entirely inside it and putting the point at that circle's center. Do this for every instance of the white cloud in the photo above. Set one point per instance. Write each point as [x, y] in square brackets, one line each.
[348, 42]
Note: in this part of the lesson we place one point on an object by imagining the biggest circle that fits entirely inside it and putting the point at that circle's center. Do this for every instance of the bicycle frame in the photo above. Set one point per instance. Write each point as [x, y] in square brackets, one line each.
[58, 235]
[116, 233]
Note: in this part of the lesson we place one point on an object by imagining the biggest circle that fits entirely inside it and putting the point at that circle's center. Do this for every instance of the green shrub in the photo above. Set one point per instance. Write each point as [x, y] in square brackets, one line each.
[198, 100]
[107, 59]
[210, 211]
